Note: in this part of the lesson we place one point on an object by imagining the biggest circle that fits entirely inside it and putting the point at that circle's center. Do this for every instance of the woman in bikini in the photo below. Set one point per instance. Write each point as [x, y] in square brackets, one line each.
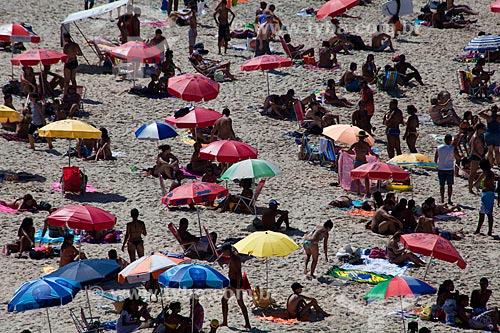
[400, 256]
[103, 147]
[28, 81]
[26, 235]
[477, 153]
[69, 253]
[133, 236]
[332, 98]
[311, 245]
[166, 163]
[362, 149]
[411, 133]
[26, 203]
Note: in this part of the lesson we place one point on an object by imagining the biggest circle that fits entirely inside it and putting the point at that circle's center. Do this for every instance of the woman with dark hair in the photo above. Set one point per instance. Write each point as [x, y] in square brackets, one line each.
[26, 235]
[103, 147]
[445, 291]
[332, 98]
[130, 316]
[26, 203]
[400, 256]
[133, 236]
[175, 322]
[69, 253]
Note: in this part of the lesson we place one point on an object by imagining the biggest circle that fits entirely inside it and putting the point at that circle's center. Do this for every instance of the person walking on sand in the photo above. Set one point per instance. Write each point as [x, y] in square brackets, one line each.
[487, 196]
[72, 50]
[311, 245]
[492, 135]
[37, 119]
[445, 159]
[223, 127]
[411, 133]
[263, 36]
[235, 285]
[392, 119]
[133, 236]
[224, 24]
[477, 153]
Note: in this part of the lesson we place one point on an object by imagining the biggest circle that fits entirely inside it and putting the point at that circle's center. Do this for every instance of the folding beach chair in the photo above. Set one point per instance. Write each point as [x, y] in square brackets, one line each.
[250, 203]
[124, 70]
[73, 180]
[465, 84]
[262, 298]
[285, 48]
[189, 247]
[389, 82]
[216, 255]
[82, 327]
[298, 107]
[312, 152]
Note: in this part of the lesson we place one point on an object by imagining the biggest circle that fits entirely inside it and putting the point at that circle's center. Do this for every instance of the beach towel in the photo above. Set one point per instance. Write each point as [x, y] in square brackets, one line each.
[189, 174]
[49, 240]
[437, 137]
[48, 269]
[357, 275]
[116, 154]
[346, 164]
[378, 266]
[316, 68]
[89, 189]
[303, 12]
[450, 216]
[281, 318]
[361, 212]
[239, 47]
[156, 23]
[6, 209]
[113, 236]
[14, 137]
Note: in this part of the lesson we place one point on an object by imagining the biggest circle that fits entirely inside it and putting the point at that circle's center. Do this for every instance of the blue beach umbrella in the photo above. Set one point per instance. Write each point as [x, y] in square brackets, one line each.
[484, 43]
[88, 271]
[155, 131]
[43, 292]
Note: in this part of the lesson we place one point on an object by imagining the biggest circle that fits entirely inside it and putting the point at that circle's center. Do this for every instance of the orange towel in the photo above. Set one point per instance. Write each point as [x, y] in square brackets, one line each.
[362, 212]
[278, 319]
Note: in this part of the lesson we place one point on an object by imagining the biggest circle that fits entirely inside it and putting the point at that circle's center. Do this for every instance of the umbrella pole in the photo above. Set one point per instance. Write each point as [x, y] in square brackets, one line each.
[267, 275]
[428, 266]
[192, 313]
[48, 319]
[11, 65]
[267, 75]
[199, 219]
[402, 314]
[88, 300]
[69, 154]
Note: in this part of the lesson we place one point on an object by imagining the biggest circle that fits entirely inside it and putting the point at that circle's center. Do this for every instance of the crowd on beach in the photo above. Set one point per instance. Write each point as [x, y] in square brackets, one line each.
[471, 150]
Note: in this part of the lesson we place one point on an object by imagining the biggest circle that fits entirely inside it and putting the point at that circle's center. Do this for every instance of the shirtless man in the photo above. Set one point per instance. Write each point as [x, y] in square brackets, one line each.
[133, 236]
[300, 306]
[479, 297]
[426, 225]
[235, 285]
[72, 50]
[402, 67]
[381, 40]
[201, 243]
[411, 133]
[392, 120]
[298, 51]
[384, 223]
[361, 119]
[263, 36]
[362, 149]
[327, 59]
[311, 245]
[477, 153]
[223, 127]
[224, 24]
[487, 196]
[269, 217]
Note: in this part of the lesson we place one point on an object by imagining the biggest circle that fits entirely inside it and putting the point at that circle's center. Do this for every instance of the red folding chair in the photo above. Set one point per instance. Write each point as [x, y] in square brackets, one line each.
[73, 180]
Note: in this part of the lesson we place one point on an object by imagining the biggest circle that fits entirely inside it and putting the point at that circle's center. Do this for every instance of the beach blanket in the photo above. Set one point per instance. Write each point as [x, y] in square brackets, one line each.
[407, 314]
[303, 12]
[6, 209]
[48, 269]
[188, 174]
[316, 68]
[281, 317]
[116, 154]
[14, 137]
[378, 266]
[49, 240]
[357, 275]
[156, 23]
[89, 189]
[437, 137]
[113, 236]
[239, 47]
[361, 212]
[346, 164]
[450, 216]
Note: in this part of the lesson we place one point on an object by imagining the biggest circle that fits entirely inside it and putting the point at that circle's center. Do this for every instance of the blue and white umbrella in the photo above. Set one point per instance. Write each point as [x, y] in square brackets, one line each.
[484, 43]
[155, 131]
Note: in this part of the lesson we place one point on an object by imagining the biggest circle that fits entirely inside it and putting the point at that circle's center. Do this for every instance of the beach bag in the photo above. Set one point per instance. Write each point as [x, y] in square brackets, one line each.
[308, 60]
[377, 253]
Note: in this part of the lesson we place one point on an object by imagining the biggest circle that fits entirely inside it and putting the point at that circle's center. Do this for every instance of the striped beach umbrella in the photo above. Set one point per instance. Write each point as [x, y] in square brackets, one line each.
[251, 168]
[484, 43]
[155, 131]
[149, 266]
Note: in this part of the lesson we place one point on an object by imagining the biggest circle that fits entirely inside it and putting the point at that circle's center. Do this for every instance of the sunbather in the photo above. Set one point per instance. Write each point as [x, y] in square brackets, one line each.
[347, 39]
[458, 9]
[69, 105]
[384, 223]
[426, 225]
[69, 253]
[485, 321]
[177, 181]
[301, 307]
[492, 134]
[197, 164]
[298, 51]
[166, 163]
[131, 314]
[47, 87]
[362, 149]
[481, 78]
[369, 70]
[398, 255]
[133, 236]
[103, 147]
[269, 216]
[332, 98]
[278, 106]
[402, 68]
[202, 244]
[311, 245]
[154, 86]
[442, 20]
[246, 195]
[327, 58]
[26, 238]
[26, 203]
[441, 115]
[479, 297]
[350, 80]
[411, 132]
[223, 127]
[208, 67]
[381, 41]
[477, 153]
[28, 81]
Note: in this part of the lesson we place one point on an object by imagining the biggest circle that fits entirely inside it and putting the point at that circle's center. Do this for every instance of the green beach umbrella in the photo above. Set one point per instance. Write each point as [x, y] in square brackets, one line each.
[251, 168]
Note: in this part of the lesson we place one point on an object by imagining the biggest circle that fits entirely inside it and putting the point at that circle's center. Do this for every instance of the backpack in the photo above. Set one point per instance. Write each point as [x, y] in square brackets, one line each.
[377, 253]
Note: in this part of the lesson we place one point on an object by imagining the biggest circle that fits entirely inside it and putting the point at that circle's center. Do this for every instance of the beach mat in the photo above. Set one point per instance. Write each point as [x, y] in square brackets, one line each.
[450, 216]
[50, 240]
[357, 275]
[378, 266]
[188, 174]
[15, 137]
[6, 209]
[280, 317]
[316, 68]
[89, 189]
[361, 212]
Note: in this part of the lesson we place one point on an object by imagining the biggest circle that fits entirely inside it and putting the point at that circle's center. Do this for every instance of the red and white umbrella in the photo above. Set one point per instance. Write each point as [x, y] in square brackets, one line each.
[495, 7]
[196, 118]
[193, 87]
[38, 56]
[228, 151]
[335, 7]
[136, 51]
[149, 266]
[82, 217]
[266, 62]
[17, 33]
[380, 171]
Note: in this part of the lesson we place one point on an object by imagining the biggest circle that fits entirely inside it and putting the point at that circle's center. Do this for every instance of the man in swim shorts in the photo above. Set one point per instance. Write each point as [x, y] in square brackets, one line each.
[311, 245]
[392, 120]
[300, 306]
[487, 196]
[73, 51]
[224, 24]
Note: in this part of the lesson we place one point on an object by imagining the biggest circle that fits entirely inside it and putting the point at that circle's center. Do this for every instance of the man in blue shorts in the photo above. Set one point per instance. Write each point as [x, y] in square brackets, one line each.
[445, 160]
[487, 196]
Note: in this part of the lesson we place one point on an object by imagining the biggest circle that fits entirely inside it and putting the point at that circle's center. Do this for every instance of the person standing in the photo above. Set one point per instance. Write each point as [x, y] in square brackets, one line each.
[361, 119]
[135, 25]
[133, 236]
[392, 120]
[311, 245]
[37, 119]
[367, 97]
[88, 4]
[361, 149]
[487, 196]
[72, 50]
[445, 159]
[263, 36]
[411, 133]
[224, 24]
[492, 135]
[477, 153]
[235, 285]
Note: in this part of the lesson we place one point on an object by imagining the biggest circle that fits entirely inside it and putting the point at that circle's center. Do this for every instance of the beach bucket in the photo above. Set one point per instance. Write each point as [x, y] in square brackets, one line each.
[251, 44]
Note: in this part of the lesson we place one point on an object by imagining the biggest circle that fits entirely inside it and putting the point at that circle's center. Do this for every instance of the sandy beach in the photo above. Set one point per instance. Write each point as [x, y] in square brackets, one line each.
[303, 189]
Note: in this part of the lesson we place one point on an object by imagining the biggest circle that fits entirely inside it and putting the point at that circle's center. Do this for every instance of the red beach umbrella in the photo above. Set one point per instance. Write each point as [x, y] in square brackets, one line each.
[335, 7]
[17, 33]
[136, 51]
[266, 62]
[380, 171]
[193, 87]
[228, 151]
[196, 118]
[37, 56]
[495, 7]
[82, 217]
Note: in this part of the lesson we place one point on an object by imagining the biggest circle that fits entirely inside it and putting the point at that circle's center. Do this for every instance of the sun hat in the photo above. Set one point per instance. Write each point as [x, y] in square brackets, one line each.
[273, 202]
[296, 286]
[362, 134]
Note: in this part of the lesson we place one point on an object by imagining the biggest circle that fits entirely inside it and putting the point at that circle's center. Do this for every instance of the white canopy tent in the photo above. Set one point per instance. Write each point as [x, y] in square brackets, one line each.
[96, 11]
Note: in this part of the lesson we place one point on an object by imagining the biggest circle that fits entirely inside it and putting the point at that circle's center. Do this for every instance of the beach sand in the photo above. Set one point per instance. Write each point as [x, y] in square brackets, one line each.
[303, 189]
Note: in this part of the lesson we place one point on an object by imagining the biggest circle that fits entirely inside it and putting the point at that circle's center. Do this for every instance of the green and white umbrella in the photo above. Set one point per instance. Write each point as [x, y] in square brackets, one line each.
[251, 168]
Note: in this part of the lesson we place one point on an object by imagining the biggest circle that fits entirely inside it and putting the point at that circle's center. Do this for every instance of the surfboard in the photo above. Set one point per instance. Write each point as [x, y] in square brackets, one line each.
[390, 8]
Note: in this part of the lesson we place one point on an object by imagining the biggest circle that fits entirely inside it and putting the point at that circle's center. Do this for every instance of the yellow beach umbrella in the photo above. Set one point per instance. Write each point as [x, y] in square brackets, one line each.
[8, 115]
[413, 160]
[264, 244]
[69, 129]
